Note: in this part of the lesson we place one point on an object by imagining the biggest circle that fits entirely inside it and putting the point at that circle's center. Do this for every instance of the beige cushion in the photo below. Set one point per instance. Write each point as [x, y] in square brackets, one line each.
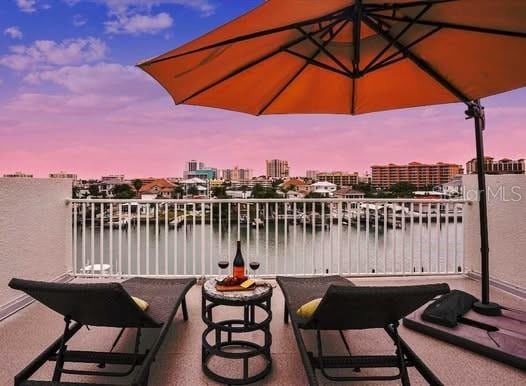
[307, 310]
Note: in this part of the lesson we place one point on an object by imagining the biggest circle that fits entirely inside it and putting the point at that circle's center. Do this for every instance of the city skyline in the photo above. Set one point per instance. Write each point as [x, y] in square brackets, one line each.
[71, 99]
[502, 165]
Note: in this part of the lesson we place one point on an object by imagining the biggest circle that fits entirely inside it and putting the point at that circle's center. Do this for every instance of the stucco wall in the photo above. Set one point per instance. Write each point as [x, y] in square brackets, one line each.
[507, 228]
[35, 230]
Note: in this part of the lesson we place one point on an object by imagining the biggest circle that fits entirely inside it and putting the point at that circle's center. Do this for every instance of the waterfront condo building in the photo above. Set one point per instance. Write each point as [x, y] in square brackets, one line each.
[503, 166]
[277, 168]
[338, 178]
[416, 173]
[237, 174]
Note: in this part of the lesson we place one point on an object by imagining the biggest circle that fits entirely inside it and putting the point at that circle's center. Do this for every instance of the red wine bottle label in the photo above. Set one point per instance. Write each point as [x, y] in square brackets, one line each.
[239, 271]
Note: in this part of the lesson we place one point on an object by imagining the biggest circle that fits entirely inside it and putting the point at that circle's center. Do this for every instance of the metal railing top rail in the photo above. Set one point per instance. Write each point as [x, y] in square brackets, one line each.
[273, 276]
[264, 200]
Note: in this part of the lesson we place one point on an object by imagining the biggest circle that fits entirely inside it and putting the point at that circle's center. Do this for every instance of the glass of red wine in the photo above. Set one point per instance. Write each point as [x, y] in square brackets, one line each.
[254, 265]
[223, 264]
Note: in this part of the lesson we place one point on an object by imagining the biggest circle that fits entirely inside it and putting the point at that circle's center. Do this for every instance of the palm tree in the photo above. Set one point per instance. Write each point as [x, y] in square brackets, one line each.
[137, 184]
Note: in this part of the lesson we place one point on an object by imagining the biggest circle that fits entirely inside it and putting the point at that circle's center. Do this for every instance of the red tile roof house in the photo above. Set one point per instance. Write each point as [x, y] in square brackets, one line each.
[161, 187]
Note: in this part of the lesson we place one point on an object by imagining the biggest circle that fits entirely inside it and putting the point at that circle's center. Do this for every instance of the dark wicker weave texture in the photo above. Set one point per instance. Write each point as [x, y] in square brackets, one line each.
[109, 304]
[347, 307]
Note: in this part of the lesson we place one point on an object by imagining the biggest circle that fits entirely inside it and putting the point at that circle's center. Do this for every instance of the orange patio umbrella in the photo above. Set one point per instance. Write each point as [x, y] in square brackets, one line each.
[355, 57]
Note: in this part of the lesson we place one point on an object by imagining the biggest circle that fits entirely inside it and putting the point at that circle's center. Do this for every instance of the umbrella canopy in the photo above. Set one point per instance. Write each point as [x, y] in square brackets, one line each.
[350, 56]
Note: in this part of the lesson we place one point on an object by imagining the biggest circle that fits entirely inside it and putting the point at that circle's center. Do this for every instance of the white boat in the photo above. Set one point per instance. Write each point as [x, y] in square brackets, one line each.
[177, 222]
[115, 224]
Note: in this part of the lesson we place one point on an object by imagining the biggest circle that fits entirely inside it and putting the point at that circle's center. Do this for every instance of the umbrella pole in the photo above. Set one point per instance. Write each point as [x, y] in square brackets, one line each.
[476, 111]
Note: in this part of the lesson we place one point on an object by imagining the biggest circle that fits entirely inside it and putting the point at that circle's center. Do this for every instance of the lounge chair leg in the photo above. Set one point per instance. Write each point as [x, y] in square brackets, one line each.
[61, 351]
[38, 362]
[184, 308]
[422, 368]
[401, 357]
[285, 314]
[146, 377]
[342, 335]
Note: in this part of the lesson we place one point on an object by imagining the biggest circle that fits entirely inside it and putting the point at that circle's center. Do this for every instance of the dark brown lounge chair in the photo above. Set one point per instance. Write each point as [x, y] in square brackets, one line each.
[105, 305]
[348, 307]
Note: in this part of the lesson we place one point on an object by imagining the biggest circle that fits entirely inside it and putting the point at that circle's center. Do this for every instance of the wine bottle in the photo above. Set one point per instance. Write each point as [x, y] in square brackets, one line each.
[239, 262]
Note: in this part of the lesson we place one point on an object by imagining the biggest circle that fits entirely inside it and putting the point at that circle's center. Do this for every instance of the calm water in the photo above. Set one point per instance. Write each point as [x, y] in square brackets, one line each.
[196, 250]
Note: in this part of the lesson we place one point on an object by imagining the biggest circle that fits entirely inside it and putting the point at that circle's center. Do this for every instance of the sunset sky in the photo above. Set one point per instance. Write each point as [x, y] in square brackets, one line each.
[71, 99]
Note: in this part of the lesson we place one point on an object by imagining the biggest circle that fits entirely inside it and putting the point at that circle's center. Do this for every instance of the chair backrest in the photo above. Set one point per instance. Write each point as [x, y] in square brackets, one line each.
[93, 304]
[352, 308]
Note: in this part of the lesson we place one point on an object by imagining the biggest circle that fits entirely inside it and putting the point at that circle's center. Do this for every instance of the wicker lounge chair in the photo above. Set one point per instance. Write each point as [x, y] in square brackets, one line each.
[347, 307]
[105, 305]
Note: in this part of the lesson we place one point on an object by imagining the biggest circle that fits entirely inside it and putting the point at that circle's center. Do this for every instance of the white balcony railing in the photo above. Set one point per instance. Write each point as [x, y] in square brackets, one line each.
[293, 237]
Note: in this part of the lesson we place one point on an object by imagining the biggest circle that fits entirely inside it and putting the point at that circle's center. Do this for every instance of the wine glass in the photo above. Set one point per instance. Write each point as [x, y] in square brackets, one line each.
[254, 265]
[223, 264]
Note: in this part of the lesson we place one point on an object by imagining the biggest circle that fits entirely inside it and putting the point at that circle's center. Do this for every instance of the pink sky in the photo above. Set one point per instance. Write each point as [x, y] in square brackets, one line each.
[71, 99]
[129, 126]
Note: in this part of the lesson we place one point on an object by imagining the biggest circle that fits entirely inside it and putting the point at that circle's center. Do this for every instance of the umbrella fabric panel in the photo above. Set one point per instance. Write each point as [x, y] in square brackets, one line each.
[314, 91]
[184, 76]
[401, 85]
[251, 89]
[507, 15]
[478, 64]
[456, 53]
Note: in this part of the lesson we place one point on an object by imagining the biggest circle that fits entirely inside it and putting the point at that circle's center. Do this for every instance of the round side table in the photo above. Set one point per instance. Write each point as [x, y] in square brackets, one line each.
[225, 330]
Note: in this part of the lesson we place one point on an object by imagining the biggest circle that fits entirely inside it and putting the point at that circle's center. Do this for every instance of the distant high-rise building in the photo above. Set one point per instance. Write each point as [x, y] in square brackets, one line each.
[63, 174]
[192, 166]
[503, 166]
[416, 173]
[339, 178]
[237, 174]
[277, 168]
[18, 175]
[312, 174]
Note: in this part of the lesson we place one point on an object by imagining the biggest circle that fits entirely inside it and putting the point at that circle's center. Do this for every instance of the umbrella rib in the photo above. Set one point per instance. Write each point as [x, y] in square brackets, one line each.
[298, 73]
[326, 52]
[254, 62]
[390, 59]
[397, 37]
[442, 24]
[397, 6]
[419, 62]
[356, 40]
[356, 36]
[237, 39]
[318, 63]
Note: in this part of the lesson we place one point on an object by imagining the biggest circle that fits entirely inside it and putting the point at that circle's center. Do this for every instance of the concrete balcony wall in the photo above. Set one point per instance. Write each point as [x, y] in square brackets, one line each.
[507, 228]
[35, 230]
